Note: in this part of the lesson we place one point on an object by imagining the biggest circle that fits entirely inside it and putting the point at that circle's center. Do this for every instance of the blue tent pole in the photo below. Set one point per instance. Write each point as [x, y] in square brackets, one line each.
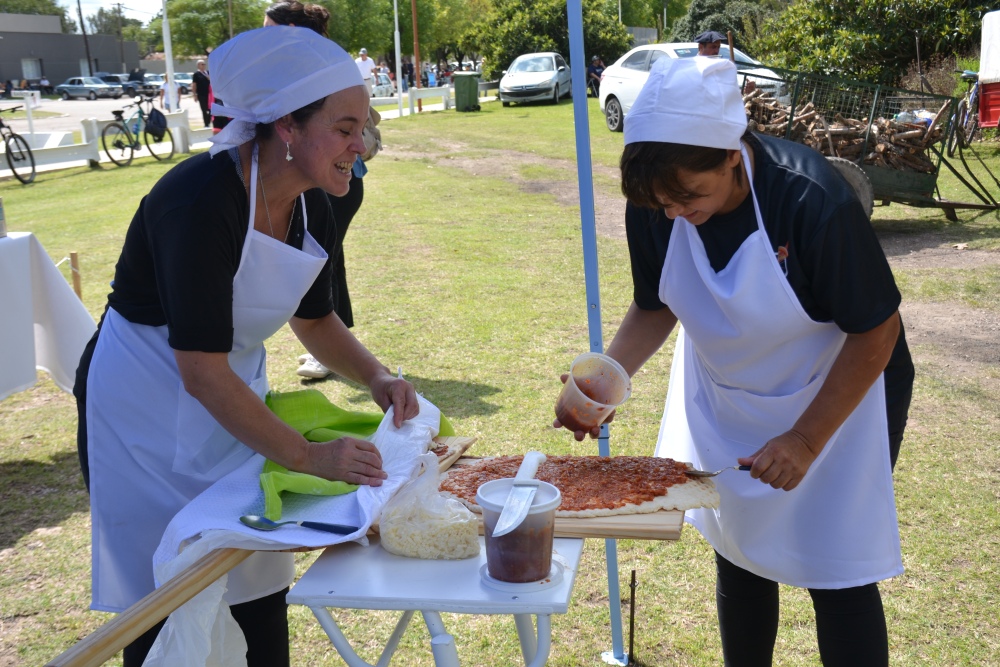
[584, 171]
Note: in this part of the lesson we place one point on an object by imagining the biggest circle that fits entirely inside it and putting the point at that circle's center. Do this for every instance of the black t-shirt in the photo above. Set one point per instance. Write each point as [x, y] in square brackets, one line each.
[201, 83]
[184, 246]
[596, 70]
[834, 263]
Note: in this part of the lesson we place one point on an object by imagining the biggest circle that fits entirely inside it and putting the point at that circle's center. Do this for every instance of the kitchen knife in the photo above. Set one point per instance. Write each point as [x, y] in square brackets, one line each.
[521, 495]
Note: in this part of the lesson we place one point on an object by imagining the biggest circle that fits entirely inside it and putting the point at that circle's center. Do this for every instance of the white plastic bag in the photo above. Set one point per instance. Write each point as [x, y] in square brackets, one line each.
[420, 522]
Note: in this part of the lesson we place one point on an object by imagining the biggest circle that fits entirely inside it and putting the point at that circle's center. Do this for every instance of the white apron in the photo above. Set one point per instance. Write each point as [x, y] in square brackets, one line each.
[748, 362]
[153, 447]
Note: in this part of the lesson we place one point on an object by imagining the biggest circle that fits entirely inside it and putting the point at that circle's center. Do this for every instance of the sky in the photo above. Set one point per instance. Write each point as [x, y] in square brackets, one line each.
[143, 10]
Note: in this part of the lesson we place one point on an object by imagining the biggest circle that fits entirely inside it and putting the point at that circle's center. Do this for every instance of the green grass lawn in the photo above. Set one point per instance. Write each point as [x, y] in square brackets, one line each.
[473, 282]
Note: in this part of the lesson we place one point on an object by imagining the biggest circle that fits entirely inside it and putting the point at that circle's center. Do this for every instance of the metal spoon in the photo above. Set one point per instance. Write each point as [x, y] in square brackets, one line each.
[709, 473]
[263, 523]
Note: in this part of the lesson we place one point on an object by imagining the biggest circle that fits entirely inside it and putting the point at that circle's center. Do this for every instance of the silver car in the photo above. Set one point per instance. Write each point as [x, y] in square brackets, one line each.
[87, 86]
[622, 81]
[536, 77]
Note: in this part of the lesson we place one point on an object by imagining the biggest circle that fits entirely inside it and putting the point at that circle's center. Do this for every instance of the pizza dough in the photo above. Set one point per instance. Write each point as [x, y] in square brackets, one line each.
[595, 485]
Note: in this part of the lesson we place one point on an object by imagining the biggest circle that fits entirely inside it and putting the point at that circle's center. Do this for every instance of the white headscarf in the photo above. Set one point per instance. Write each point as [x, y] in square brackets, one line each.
[692, 101]
[264, 74]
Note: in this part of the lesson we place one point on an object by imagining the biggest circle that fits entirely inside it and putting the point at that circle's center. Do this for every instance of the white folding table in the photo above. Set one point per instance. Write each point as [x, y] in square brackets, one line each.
[355, 577]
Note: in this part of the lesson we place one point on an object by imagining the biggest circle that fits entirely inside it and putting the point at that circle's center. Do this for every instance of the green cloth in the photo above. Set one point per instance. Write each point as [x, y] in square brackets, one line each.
[318, 420]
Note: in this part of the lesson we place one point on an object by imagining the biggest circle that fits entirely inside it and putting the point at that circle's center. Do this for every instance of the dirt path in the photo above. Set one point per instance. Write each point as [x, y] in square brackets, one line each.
[964, 338]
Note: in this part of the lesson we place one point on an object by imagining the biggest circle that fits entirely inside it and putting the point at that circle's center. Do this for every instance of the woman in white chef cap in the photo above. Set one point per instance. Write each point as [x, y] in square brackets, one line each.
[225, 249]
[791, 358]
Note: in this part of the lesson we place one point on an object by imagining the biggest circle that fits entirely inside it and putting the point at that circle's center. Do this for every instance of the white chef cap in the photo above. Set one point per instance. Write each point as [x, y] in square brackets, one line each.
[264, 74]
[692, 101]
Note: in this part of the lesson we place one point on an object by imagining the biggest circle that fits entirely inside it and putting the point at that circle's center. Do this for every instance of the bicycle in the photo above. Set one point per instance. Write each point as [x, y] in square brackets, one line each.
[120, 138]
[965, 123]
[19, 157]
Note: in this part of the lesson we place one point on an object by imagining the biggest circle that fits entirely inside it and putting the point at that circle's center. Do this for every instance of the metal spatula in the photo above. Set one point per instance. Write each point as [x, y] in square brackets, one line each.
[709, 473]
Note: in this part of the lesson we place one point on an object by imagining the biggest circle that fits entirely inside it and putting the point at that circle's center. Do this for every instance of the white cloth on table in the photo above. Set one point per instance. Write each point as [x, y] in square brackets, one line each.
[42, 322]
[199, 629]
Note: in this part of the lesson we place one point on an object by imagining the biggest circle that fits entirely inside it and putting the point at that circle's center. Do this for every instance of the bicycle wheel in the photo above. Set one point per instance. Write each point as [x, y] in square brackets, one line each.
[956, 136]
[19, 158]
[162, 148]
[971, 126]
[117, 144]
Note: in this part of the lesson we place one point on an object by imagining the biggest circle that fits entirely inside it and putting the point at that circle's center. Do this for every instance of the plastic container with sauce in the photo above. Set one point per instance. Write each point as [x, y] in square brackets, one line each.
[524, 554]
[597, 384]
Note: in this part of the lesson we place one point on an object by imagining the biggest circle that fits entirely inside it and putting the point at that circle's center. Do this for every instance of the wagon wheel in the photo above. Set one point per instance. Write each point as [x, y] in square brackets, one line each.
[858, 180]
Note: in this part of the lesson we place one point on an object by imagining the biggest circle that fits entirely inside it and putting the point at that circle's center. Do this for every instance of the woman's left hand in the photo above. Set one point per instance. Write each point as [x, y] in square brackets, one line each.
[397, 392]
[782, 462]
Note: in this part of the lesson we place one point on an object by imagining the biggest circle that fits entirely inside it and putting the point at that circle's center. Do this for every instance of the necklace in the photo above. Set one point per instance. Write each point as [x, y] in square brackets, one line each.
[267, 211]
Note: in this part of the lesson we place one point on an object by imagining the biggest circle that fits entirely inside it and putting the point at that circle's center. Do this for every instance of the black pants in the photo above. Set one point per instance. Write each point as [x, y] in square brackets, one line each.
[206, 110]
[850, 622]
[344, 209]
[264, 623]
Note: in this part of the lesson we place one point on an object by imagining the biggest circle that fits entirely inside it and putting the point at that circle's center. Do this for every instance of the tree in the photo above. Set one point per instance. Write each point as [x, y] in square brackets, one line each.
[872, 40]
[39, 7]
[744, 18]
[108, 22]
[198, 26]
[525, 26]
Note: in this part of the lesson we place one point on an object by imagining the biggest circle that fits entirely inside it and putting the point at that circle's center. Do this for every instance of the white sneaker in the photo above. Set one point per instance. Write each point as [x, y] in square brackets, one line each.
[313, 369]
[303, 358]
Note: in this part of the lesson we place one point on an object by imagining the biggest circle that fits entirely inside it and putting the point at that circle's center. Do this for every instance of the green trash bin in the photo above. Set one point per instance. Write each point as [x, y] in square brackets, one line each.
[466, 91]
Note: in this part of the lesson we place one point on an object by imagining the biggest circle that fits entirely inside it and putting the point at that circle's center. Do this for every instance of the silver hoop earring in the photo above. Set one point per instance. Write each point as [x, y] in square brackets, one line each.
[288, 151]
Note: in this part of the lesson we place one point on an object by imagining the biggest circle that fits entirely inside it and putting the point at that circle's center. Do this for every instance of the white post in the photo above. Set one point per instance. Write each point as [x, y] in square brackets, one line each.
[399, 63]
[170, 101]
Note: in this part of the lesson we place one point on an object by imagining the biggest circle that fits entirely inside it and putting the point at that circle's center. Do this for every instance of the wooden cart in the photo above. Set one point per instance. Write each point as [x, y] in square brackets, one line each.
[889, 143]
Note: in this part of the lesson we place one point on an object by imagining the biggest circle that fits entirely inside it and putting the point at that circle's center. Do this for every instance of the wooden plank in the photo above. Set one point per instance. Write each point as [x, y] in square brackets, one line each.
[101, 645]
[662, 525]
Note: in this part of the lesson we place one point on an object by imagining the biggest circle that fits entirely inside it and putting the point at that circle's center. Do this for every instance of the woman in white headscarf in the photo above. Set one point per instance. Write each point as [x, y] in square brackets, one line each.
[225, 249]
[791, 359]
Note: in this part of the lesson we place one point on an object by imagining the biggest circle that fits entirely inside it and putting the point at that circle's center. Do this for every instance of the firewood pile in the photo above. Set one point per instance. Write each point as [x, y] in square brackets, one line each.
[892, 144]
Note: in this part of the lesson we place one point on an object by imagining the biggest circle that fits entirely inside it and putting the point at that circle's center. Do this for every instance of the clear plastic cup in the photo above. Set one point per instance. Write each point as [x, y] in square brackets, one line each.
[597, 384]
[524, 554]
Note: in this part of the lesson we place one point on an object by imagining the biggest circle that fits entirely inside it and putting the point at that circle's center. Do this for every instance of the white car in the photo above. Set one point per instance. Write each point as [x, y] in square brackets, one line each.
[384, 86]
[622, 81]
[536, 77]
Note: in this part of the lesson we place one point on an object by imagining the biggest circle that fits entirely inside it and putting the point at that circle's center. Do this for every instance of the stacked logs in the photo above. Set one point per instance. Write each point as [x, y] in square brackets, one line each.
[890, 143]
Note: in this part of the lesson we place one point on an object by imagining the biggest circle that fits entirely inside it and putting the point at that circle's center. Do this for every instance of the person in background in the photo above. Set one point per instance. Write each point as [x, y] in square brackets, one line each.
[170, 97]
[709, 43]
[228, 247]
[200, 85]
[45, 85]
[791, 359]
[367, 68]
[594, 71]
[316, 18]
[8, 86]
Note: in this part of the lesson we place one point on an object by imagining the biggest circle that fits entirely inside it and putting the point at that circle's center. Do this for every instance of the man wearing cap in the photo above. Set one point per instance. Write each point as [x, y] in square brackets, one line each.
[367, 68]
[791, 359]
[709, 43]
[594, 72]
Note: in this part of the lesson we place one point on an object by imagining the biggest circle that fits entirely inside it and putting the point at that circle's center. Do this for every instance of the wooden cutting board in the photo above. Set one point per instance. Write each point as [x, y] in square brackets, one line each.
[662, 525]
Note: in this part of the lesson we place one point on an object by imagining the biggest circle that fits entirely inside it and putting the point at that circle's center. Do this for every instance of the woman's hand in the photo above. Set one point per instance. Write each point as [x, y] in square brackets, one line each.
[397, 392]
[580, 435]
[346, 460]
[783, 461]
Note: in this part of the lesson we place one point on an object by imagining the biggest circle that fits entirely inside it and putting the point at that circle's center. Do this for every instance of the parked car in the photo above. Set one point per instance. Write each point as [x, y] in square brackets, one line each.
[183, 81]
[143, 84]
[383, 86]
[115, 80]
[622, 81]
[535, 76]
[87, 86]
